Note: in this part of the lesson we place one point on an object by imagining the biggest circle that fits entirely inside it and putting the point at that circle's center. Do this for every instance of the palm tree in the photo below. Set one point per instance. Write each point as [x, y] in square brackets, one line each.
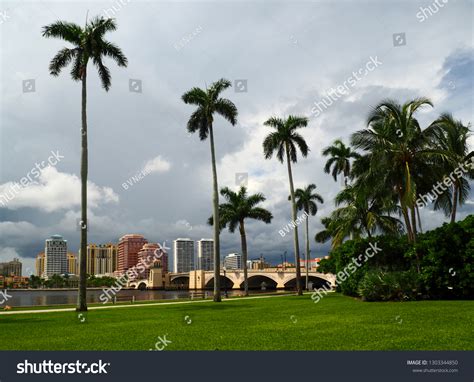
[88, 44]
[398, 153]
[339, 160]
[208, 103]
[451, 136]
[361, 212]
[306, 201]
[286, 141]
[239, 207]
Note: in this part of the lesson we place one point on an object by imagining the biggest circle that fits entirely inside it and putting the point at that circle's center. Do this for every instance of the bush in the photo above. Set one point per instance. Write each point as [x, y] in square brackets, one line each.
[440, 265]
[386, 286]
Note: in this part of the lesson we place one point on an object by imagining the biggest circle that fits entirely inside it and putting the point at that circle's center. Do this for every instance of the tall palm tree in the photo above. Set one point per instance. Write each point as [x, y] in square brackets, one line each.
[239, 207]
[286, 141]
[209, 103]
[361, 212]
[451, 137]
[340, 159]
[398, 153]
[306, 201]
[88, 44]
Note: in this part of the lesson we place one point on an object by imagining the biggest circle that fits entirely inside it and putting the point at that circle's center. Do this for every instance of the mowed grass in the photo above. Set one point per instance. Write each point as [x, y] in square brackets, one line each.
[275, 323]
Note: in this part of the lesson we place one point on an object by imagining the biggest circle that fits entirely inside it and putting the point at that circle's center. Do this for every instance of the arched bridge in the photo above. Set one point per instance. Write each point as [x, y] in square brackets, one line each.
[234, 279]
[271, 278]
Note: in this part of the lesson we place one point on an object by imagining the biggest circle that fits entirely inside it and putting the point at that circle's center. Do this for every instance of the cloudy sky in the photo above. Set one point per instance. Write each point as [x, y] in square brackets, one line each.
[288, 55]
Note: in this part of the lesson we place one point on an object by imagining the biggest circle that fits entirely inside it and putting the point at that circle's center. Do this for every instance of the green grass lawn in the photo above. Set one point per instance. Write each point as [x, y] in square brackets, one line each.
[277, 323]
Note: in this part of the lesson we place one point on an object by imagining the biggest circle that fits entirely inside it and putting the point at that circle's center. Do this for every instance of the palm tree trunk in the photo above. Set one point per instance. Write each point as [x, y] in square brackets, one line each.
[243, 241]
[307, 249]
[455, 202]
[405, 215]
[419, 219]
[82, 297]
[216, 225]
[413, 220]
[295, 231]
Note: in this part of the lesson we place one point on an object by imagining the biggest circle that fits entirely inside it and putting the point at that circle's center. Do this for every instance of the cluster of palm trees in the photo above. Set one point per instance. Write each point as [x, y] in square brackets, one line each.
[399, 160]
[390, 164]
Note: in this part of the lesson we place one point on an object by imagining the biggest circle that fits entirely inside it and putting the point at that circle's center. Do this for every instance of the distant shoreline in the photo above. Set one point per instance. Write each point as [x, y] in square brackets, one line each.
[56, 289]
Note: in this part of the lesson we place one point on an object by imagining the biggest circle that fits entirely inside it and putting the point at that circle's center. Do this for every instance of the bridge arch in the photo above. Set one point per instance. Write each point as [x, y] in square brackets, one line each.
[318, 282]
[225, 283]
[180, 281]
[258, 281]
[142, 285]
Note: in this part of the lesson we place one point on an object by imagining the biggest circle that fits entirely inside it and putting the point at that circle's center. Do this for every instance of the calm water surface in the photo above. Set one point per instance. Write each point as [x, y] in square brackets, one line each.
[67, 297]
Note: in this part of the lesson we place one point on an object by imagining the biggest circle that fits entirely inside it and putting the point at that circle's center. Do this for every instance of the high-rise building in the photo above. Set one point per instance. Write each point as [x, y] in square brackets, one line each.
[55, 256]
[40, 260]
[150, 259]
[206, 254]
[11, 268]
[183, 255]
[128, 248]
[101, 259]
[72, 264]
[233, 261]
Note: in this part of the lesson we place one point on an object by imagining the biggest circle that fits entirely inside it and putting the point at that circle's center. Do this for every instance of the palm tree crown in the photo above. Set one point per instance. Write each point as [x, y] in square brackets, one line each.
[285, 137]
[451, 136]
[240, 206]
[340, 156]
[208, 103]
[88, 44]
[306, 199]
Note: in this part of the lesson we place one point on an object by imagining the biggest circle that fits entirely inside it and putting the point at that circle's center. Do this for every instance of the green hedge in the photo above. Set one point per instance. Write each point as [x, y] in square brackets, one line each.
[439, 265]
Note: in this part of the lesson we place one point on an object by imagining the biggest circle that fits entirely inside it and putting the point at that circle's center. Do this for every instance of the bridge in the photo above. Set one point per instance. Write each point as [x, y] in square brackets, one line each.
[233, 279]
[268, 278]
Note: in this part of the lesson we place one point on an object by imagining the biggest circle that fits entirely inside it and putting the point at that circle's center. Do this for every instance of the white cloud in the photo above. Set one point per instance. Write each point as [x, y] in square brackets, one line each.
[157, 164]
[54, 191]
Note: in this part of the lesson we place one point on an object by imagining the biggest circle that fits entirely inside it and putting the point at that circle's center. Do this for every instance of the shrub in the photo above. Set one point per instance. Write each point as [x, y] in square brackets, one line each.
[386, 286]
[440, 265]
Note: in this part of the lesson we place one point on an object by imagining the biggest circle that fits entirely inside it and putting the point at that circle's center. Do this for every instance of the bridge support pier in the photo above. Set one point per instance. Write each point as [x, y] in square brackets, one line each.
[197, 279]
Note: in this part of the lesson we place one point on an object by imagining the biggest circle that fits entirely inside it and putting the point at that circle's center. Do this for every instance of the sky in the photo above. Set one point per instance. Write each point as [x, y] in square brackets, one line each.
[281, 57]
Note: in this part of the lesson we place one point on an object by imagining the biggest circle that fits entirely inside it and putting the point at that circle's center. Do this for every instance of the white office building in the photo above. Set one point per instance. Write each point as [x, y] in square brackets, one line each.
[183, 255]
[233, 261]
[55, 251]
[205, 254]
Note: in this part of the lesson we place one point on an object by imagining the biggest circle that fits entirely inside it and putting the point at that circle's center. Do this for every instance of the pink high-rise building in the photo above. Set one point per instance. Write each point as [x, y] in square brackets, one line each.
[152, 256]
[128, 248]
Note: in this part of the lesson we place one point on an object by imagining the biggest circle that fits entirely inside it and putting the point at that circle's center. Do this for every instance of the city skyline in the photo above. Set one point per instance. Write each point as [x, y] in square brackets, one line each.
[168, 156]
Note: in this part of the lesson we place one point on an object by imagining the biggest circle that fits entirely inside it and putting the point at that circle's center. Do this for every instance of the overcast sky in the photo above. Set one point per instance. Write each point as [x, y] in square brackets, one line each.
[288, 53]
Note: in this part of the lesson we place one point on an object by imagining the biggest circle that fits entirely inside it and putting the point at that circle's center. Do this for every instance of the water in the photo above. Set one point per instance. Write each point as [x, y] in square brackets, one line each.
[45, 297]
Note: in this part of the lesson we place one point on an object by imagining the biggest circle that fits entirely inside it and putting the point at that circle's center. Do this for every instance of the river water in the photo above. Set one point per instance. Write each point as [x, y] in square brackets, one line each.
[44, 297]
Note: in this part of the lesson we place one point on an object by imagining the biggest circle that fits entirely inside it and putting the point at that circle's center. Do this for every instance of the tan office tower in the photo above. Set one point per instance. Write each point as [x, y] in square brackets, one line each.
[40, 264]
[72, 264]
